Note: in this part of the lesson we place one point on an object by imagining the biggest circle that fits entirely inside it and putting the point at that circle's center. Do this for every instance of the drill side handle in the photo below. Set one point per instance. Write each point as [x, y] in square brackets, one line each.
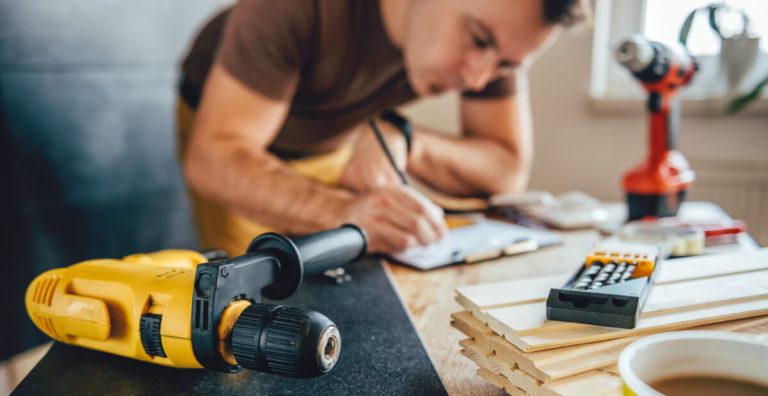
[331, 249]
[313, 254]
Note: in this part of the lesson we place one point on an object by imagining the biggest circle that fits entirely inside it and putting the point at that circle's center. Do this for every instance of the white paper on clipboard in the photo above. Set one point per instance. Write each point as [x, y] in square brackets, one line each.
[485, 239]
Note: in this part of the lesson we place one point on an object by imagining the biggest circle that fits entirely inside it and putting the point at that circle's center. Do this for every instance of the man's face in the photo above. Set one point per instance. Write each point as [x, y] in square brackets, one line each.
[465, 44]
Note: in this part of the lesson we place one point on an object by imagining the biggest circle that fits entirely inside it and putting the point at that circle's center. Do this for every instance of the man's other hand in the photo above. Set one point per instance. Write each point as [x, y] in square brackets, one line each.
[396, 218]
[369, 169]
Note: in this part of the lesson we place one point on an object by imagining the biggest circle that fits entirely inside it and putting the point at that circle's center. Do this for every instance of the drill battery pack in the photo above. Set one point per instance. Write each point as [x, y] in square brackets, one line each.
[609, 289]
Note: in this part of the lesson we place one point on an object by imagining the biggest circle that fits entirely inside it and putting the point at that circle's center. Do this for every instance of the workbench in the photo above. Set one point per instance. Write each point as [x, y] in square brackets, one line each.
[381, 353]
[429, 298]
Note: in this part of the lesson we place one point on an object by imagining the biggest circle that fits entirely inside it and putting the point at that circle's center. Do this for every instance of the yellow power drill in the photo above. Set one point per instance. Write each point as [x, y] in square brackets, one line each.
[182, 309]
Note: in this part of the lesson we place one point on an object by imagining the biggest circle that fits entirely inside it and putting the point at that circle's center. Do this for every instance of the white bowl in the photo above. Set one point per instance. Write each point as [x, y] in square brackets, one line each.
[693, 353]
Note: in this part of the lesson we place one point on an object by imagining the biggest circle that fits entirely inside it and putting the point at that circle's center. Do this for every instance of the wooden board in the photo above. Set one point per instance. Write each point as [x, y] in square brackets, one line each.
[600, 381]
[664, 299]
[481, 297]
[551, 365]
[604, 381]
[691, 291]
[499, 381]
[699, 267]
[511, 373]
[675, 321]
[477, 298]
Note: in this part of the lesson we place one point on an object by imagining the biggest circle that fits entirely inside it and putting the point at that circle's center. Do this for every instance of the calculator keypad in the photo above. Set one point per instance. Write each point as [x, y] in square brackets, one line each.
[599, 274]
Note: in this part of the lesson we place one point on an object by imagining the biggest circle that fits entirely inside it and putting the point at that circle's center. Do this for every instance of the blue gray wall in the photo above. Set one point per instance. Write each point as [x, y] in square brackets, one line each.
[87, 146]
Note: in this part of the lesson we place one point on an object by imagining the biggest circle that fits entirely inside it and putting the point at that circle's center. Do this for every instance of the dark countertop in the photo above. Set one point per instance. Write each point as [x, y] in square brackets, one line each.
[381, 354]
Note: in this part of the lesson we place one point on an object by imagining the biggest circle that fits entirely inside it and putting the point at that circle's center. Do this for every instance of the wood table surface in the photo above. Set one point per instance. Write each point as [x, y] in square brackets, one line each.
[429, 298]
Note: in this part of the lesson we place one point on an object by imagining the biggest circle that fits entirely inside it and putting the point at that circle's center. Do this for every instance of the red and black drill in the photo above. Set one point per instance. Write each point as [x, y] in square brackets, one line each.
[657, 186]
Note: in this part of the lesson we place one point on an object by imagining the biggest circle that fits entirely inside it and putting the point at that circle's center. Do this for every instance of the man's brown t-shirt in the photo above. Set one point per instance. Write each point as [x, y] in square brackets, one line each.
[335, 53]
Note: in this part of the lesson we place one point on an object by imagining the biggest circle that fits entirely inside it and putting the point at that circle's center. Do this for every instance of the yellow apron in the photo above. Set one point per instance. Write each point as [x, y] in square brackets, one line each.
[220, 228]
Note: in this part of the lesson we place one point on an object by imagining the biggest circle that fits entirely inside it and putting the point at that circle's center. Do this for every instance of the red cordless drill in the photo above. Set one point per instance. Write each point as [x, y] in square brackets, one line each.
[658, 185]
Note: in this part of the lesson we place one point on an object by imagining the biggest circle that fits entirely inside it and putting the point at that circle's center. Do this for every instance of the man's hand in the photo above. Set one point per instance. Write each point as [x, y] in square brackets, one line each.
[369, 169]
[396, 218]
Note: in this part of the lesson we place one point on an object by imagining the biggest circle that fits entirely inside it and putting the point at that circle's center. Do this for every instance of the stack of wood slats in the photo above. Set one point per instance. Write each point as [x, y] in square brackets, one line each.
[521, 351]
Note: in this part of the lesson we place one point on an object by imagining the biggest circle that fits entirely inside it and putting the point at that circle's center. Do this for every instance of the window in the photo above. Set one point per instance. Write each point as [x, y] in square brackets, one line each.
[661, 20]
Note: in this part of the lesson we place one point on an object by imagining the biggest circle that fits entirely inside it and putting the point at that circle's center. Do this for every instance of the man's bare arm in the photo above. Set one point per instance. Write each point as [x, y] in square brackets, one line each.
[494, 154]
[228, 162]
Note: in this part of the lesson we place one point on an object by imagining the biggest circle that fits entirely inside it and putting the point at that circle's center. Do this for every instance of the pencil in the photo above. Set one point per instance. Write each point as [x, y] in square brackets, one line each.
[387, 152]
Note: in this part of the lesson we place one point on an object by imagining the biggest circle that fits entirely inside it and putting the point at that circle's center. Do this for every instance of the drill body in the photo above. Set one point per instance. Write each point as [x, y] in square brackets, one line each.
[176, 308]
[99, 304]
[658, 185]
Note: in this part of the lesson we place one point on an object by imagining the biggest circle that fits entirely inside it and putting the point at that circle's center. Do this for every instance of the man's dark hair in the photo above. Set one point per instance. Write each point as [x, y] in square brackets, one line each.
[565, 12]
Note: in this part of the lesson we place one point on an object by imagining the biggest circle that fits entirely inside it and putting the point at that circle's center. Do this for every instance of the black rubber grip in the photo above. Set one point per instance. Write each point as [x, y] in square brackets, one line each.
[331, 249]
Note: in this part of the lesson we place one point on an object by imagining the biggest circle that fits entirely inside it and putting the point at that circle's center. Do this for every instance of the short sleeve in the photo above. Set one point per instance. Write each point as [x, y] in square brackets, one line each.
[499, 88]
[266, 43]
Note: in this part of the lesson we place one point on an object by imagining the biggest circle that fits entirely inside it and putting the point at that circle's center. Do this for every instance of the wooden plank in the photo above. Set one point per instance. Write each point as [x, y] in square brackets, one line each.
[602, 381]
[499, 381]
[514, 375]
[703, 293]
[759, 330]
[674, 321]
[664, 299]
[488, 341]
[555, 364]
[551, 365]
[700, 267]
[466, 323]
[605, 381]
[477, 298]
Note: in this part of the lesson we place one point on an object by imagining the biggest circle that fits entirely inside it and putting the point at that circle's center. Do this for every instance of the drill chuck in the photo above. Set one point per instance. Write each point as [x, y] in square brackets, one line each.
[636, 54]
[652, 62]
[285, 340]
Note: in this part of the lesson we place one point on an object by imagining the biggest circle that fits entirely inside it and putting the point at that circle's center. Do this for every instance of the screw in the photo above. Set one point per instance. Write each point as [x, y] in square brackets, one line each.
[224, 272]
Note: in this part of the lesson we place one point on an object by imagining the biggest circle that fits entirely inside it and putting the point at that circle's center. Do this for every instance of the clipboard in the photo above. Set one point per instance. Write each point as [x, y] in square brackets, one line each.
[479, 240]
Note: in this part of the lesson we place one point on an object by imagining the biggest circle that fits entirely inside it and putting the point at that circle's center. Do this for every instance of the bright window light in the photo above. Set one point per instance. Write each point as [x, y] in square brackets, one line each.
[663, 19]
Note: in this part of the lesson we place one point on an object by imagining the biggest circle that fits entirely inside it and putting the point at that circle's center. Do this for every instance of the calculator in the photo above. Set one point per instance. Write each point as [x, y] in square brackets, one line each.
[609, 288]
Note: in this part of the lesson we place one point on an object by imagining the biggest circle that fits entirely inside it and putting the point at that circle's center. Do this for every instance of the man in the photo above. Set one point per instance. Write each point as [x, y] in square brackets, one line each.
[277, 95]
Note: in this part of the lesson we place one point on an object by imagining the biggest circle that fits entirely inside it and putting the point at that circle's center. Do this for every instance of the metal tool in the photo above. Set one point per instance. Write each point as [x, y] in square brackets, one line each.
[658, 185]
[178, 308]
